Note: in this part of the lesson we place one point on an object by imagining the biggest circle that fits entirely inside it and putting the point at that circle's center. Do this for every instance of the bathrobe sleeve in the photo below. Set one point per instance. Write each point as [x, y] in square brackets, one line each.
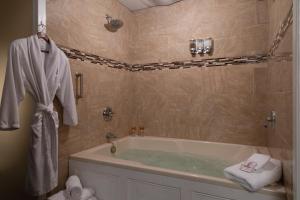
[66, 97]
[13, 91]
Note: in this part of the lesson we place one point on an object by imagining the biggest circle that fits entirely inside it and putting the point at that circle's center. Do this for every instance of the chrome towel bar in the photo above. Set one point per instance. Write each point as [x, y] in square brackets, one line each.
[79, 85]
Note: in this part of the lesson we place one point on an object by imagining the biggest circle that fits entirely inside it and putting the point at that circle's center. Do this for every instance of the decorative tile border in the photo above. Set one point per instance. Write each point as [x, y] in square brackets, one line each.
[92, 58]
[288, 21]
[214, 62]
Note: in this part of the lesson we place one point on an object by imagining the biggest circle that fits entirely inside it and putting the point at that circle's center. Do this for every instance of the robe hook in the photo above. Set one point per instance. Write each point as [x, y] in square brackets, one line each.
[41, 27]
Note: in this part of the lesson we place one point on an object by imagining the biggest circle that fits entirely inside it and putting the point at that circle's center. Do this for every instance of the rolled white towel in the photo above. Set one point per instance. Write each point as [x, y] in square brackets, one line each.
[255, 162]
[58, 196]
[268, 174]
[73, 188]
[87, 193]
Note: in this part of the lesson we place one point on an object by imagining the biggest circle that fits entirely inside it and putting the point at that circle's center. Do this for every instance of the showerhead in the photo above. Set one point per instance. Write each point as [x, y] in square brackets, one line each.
[113, 24]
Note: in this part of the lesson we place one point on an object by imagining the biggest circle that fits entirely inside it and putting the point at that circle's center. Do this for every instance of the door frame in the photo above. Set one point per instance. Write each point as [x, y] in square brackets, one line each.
[296, 100]
[39, 15]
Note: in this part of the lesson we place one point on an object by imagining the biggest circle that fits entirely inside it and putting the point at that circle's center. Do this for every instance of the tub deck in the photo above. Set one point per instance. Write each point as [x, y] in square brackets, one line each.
[233, 153]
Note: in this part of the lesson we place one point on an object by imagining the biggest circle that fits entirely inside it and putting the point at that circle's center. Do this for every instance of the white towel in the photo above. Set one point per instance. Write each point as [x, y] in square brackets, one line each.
[268, 174]
[73, 188]
[58, 196]
[255, 162]
[87, 193]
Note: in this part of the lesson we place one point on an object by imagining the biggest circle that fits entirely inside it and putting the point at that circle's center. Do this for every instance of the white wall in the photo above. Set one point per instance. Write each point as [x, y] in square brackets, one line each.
[15, 22]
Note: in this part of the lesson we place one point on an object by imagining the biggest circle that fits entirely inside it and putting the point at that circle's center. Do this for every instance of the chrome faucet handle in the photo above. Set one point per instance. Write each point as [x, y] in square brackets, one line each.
[107, 114]
[271, 119]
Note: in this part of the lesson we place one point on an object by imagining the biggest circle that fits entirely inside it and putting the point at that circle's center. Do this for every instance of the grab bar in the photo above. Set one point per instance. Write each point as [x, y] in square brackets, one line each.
[79, 85]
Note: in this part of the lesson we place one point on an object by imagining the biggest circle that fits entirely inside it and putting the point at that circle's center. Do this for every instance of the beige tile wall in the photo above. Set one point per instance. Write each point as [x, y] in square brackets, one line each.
[219, 104]
[102, 87]
[279, 93]
[239, 27]
[278, 9]
[80, 24]
[222, 104]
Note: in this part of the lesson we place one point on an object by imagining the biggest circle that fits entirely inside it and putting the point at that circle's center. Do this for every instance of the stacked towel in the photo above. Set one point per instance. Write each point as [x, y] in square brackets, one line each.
[255, 162]
[265, 172]
[87, 194]
[73, 188]
[74, 191]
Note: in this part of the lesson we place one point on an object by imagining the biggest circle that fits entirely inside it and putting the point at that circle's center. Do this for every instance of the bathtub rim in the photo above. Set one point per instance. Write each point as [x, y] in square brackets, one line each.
[89, 156]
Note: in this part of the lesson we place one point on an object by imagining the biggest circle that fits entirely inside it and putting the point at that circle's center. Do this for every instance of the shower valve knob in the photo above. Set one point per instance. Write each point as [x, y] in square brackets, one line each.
[107, 114]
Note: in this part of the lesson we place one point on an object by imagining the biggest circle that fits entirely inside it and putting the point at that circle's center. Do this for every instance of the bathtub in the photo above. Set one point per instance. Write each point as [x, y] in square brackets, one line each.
[151, 168]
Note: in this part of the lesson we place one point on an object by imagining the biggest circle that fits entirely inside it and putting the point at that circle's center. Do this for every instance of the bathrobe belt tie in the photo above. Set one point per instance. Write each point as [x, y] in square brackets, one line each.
[47, 111]
[43, 108]
[47, 119]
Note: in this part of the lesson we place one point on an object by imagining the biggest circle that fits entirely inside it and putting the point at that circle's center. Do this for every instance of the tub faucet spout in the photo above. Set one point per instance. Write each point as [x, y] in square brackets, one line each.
[110, 137]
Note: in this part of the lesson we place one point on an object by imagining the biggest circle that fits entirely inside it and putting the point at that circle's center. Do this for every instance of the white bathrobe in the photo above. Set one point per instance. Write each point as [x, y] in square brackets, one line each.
[43, 75]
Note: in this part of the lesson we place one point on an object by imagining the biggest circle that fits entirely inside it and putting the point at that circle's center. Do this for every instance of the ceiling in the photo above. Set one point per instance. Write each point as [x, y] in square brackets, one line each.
[134, 5]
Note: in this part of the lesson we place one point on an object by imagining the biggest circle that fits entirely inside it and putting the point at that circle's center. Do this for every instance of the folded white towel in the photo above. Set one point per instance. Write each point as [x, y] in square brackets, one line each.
[87, 193]
[268, 174]
[255, 162]
[58, 196]
[73, 188]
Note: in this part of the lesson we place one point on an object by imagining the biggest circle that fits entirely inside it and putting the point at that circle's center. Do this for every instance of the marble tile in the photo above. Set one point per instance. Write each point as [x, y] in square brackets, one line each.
[71, 25]
[279, 93]
[162, 36]
[280, 76]
[103, 87]
[277, 12]
[206, 104]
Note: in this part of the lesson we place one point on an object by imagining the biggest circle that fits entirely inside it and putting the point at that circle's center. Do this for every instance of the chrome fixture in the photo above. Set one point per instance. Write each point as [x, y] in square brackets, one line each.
[107, 113]
[79, 86]
[201, 46]
[113, 24]
[207, 46]
[271, 119]
[110, 137]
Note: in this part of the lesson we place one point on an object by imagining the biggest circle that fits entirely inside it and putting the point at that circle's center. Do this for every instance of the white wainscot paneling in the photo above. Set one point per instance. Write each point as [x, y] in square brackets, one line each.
[139, 190]
[119, 183]
[201, 196]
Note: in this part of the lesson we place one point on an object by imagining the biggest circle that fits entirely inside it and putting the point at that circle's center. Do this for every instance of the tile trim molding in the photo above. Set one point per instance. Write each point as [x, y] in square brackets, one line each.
[213, 62]
[92, 58]
[287, 22]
